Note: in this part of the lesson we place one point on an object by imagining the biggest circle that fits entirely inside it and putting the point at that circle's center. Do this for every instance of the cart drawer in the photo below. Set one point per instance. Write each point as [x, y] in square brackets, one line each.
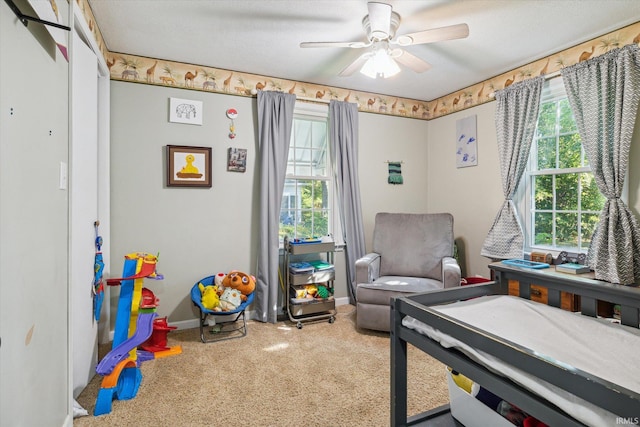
[303, 307]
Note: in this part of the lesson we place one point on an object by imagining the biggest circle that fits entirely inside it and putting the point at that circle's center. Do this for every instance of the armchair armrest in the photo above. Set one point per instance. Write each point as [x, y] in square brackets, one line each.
[368, 268]
[451, 273]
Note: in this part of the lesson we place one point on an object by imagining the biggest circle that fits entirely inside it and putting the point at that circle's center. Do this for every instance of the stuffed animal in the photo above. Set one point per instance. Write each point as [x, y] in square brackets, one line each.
[217, 280]
[229, 300]
[210, 299]
[242, 282]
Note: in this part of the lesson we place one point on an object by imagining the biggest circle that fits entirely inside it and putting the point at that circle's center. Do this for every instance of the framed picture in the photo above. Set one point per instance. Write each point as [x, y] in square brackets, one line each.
[185, 111]
[188, 166]
[237, 160]
[466, 142]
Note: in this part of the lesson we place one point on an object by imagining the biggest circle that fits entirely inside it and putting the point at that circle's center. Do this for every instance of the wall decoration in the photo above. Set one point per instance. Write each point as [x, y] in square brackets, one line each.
[237, 160]
[188, 166]
[185, 111]
[395, 173]
[232, 113]
[466, 142]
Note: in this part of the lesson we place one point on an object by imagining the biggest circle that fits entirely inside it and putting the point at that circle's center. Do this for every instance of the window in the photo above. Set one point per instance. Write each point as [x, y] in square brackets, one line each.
[307, 198]
[563, 201]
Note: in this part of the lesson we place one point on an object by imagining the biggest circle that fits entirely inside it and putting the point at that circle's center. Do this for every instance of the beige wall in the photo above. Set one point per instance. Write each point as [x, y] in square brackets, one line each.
[199, 232]
[474, 194]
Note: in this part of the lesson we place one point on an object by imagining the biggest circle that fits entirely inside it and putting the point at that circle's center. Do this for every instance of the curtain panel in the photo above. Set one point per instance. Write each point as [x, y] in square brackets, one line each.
[275, 120]
[603, 93]
[343, 132]
[516, 119]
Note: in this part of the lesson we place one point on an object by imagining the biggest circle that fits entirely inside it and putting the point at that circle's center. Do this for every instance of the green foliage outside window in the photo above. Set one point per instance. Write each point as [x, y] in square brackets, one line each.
[566, 202]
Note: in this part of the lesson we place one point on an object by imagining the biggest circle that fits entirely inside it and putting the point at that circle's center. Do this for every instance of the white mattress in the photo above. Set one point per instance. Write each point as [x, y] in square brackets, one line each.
[605, 350]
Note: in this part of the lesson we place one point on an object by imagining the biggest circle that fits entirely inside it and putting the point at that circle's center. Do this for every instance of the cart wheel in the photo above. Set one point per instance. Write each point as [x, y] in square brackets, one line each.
[299, 325]
[332, 319]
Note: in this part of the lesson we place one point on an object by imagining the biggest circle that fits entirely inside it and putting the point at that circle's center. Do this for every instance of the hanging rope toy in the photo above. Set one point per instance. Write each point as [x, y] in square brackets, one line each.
[232, 114]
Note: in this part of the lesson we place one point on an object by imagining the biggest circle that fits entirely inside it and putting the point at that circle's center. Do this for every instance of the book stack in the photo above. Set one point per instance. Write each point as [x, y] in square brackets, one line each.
[572, 268]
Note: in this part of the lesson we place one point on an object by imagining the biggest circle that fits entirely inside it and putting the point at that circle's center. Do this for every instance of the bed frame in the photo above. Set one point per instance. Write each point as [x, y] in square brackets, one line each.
[604, 394]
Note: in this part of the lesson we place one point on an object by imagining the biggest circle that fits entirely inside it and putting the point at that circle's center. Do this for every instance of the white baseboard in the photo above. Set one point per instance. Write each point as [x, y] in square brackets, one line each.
[194, 323]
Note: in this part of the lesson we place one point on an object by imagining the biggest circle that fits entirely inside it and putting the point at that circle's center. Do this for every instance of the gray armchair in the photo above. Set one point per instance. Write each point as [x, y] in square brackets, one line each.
[411, 253]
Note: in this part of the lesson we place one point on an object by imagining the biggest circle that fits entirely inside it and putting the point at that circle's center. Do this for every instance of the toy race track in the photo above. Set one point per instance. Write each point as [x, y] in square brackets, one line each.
[144, 329]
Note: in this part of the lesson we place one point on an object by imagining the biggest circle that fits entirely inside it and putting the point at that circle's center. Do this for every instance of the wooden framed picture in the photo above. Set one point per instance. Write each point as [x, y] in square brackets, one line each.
[188, 166]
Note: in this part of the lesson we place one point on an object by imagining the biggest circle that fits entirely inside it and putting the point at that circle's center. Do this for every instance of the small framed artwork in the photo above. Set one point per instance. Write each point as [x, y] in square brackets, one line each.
[188, 166]
[237, 160]
[185, 111]
[466, 142]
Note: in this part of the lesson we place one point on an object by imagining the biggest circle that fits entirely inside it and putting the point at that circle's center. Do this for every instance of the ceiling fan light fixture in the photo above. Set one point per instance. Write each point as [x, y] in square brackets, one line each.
[380, 64]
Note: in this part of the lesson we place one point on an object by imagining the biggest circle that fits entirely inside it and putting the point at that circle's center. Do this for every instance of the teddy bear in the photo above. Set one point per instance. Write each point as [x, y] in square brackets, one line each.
[242, 282]
[210, 299]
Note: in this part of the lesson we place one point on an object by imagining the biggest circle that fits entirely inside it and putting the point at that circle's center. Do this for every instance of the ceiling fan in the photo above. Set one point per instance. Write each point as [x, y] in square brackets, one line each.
[380, 59]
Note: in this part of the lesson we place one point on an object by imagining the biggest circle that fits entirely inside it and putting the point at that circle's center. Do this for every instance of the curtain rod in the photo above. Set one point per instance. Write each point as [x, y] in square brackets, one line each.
[25, 18]
[548, 76]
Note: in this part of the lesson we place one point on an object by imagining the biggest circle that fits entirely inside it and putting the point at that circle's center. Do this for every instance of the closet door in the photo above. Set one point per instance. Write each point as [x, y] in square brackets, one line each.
[83, 210]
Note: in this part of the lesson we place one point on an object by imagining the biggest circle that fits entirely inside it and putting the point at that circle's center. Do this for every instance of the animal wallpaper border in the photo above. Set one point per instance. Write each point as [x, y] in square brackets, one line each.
[161, 72]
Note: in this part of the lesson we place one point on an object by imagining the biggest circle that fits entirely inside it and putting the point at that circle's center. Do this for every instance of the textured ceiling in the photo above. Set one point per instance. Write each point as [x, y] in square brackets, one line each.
[263, 36]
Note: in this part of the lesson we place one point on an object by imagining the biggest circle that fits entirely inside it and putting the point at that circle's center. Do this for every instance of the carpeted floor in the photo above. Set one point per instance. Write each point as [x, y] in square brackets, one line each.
[321, 375]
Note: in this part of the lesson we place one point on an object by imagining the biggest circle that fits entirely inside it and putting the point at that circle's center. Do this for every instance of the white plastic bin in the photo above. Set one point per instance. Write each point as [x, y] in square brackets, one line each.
[470, 411]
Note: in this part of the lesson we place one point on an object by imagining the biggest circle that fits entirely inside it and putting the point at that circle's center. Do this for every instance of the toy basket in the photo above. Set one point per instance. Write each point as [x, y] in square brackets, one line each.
[227, 324]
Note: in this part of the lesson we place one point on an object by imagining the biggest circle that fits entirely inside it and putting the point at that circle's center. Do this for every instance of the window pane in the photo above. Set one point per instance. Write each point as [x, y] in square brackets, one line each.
[588, 224]
[547, 119]
[543, 187]
[567, 191]
[592, 199]
[567, 229]
[319, 163]
[303, 169]
[319, 132]
[570, 151]
[304, 210]
[567, 122]
[546, 153]
[543, 231]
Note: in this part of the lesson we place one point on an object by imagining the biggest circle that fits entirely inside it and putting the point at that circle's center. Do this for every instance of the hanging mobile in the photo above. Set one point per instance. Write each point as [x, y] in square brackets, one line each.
[232, 114]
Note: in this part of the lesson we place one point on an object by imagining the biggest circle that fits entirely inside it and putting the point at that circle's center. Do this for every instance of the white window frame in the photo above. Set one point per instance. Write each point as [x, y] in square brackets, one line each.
[524, 194]
[316, 111]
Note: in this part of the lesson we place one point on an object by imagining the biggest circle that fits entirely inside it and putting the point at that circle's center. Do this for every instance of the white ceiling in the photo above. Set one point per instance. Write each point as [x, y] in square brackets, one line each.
[263, 36]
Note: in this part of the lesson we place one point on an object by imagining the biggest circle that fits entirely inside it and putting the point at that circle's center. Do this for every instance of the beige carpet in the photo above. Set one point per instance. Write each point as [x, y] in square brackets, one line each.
[321, 375]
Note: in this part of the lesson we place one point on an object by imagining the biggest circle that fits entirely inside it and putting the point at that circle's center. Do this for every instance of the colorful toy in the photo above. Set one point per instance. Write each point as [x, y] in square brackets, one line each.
[134, 326]
[98, 267]
[244, 283]
[210, 299]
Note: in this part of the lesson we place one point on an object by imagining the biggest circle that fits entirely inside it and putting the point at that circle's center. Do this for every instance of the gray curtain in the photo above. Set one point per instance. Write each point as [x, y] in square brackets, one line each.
[275, 119]
[604, 93]
[343, 131]
[516, 118]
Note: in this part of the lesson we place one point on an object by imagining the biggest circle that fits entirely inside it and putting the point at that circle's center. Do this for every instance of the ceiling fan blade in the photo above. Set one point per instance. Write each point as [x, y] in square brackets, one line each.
[410, 61]
[458, 31]
[354, 45]
[355, 65]
[379, 19]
